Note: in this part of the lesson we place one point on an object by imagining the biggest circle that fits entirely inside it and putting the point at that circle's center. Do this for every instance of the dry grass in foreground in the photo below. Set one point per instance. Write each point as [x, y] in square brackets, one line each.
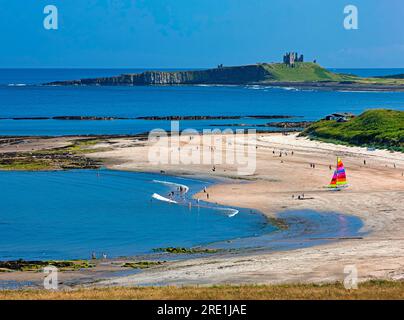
[367, 290]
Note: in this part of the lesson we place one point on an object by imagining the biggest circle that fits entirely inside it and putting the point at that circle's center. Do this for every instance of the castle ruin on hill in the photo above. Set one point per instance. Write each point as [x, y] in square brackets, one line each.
[291, 57]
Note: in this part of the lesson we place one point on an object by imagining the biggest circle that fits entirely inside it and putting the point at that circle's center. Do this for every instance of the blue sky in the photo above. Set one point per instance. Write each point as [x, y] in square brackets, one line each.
[199, 33]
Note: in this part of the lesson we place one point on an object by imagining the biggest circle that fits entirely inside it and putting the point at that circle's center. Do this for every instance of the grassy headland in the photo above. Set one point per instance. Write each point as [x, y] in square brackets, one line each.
[379, 128]
[306, 71]
[366, 290]
[304, 74]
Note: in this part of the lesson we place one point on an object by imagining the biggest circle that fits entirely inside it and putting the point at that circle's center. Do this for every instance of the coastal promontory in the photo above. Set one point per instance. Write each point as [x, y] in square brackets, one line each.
[302, 75]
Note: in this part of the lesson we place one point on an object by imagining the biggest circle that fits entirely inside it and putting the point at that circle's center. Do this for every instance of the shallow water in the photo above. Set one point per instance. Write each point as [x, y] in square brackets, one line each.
[70, 214]
[305, 228]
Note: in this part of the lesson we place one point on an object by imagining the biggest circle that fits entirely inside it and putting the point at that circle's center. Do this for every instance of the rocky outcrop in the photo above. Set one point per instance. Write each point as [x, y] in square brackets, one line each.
[258, 74]
[224, 75]
[174, 118]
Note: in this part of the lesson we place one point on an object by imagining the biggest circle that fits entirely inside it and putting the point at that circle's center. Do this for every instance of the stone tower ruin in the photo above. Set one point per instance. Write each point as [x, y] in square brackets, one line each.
[290, 58]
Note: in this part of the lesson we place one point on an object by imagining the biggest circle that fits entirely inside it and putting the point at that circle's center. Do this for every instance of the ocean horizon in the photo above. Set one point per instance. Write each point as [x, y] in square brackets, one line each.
[19, 99]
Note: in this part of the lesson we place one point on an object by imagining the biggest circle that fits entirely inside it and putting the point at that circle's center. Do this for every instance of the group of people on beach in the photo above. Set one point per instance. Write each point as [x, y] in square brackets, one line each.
[282, 153]
[299, 197]
[94, 255]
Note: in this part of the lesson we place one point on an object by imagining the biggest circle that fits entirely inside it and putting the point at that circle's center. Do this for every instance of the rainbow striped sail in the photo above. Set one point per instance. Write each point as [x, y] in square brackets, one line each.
[339, 178]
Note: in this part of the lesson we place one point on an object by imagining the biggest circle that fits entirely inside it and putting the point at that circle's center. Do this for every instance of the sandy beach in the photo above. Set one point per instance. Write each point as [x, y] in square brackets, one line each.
[375, 194]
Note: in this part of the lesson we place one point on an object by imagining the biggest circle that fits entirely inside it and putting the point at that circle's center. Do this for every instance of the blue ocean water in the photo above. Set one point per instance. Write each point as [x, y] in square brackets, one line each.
[70, 214]
[22, 100]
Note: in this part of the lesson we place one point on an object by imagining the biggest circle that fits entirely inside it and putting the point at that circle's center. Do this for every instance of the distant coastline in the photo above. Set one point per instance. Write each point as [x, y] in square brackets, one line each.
[302, 75]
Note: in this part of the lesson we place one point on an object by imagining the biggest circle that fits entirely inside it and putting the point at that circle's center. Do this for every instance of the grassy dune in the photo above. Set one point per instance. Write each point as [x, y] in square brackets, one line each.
[376, 128]
[367, 290]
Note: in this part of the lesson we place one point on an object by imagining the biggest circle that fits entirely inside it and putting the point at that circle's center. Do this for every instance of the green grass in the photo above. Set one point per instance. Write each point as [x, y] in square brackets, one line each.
[24, 265]
[306, 71]
[309, 71]
[379, 128]
[26, 165]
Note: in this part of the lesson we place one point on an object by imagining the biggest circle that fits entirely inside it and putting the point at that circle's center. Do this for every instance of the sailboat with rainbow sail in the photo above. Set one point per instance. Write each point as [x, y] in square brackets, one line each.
[338, 180]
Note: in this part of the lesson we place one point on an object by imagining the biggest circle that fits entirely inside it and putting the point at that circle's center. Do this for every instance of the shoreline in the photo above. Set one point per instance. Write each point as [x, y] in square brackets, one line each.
[285, 238]
[307, 85]
[379, 255]
[374, 197]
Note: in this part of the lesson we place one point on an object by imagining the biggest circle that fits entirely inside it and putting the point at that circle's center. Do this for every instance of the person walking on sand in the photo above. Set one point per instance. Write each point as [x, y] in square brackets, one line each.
[364, 162]
[207, 195]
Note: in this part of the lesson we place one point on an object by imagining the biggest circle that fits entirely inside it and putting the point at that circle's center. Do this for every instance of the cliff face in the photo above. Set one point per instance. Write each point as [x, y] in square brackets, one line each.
[225, 75]
[303, 75]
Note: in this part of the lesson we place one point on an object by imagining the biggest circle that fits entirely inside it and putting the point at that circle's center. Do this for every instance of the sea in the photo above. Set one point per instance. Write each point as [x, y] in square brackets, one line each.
[21, 96]
[71, 214]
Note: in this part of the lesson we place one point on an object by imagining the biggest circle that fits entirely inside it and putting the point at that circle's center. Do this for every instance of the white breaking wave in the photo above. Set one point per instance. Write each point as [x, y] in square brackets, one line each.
[161, 198]
[254, 87]
[16, 84]
[232, 211]
[186, 188]
[363, 91]
[216, 85]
